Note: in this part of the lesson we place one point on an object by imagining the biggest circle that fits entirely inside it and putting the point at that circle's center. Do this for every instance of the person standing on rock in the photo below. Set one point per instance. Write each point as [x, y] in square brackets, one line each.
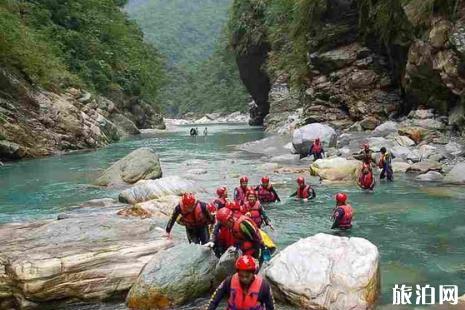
[246, 234]
[304, 191]
[386, 165]
[255, 211]
[240, 192]
[245, 290]
[317, 150]
[342, 213]
[266, 192]
[195, 216]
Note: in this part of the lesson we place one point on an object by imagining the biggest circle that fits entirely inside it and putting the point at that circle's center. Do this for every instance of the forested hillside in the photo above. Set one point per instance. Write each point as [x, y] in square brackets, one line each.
[202, 74]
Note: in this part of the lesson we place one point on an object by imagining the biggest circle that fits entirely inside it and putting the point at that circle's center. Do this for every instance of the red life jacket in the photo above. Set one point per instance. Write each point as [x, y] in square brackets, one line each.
[346, 221]
[304, 192]
[246, 245]
[265, 194]
[219, 203]
[366, 180]
[225, 237]
[249, 301]
[254, 212]
[240, 194]
[195, 218]
[316, 148]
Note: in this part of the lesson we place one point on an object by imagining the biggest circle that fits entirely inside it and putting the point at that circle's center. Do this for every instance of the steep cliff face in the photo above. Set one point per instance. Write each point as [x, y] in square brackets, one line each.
[361, 60]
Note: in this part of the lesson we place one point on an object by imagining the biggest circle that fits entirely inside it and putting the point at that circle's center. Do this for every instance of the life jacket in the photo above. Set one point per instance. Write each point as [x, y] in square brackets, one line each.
[265, 194]
[240, 301]
[198, 217]
[254, 212]
[225, 237]
[316, 148]
[346, 221]
[219, 203]
[246, 245]
[304, 192]
[239, 194]
[366, 178]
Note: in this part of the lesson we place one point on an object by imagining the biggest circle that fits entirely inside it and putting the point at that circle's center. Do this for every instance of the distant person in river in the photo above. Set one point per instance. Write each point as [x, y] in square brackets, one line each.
[193, 132]
[246, 234]
[205, 131]
[240, 192]
[266, 192]
[386, 165]
[222, 199]
[304, 191]
[366, 180]
[195, 216]
[317, 150]
[342, 213]
[245, 290]
[255, 211]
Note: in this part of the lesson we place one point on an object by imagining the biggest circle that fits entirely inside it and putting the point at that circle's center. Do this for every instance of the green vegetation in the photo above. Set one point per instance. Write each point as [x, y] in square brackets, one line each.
[202, 74]
[87, 43]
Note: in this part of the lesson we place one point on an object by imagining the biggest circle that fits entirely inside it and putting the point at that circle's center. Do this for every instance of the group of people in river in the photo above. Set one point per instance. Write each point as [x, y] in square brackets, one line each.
[194, 132]
[238, 223]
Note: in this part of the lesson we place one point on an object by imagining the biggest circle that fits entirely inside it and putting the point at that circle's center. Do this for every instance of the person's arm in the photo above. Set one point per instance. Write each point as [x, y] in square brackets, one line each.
[294, 194]
[214, 235]
[311, 193]
[174, 216]
[236, 194]
[210, 217]
[310, 152]
[265, 218]
[276, 194]
[337, 217]
[267, 296]
[221, 292]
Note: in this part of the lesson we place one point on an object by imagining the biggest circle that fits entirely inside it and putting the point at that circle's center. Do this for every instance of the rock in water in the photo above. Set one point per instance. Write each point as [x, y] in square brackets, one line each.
[174, 277]
[430, 176]
[141, 164]
[303, 137]
[327, 272]
[425, 166]
[335, 169]
[226, 265]
[155, 189]
[456, 175]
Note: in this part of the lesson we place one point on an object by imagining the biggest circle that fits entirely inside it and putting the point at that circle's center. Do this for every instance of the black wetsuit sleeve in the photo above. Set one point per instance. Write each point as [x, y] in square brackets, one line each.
[339, 214]
[265, 218]
[274, 192]
[208, 215]
[221, 292]
[266, 296]
[236, 194]
[174, 216]
[216, 230]
[294, 194]
[311, 193]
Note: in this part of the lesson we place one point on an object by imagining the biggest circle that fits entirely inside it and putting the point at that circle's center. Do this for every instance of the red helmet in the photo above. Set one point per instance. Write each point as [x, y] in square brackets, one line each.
[300, 180]
[223, 215]
[251, 192]
[188, 200]
[244, 179]
[220, 191]
[265, 180]
[246, 263]
[341, 197]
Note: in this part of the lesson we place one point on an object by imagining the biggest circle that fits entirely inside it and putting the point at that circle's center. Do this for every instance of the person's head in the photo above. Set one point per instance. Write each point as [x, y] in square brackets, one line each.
[265, 181]
[301, 181]
[341, 199]
[187, 202]
[244, 181]
[366, 147]
[317, 140]
[222, 192]
[383, 150]
[225, 216]
[251, 196]
[246, 268]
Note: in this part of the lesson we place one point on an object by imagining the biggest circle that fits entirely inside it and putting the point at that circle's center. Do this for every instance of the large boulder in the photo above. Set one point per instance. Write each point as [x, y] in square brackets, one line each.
[141, 164]
[425, 166]
[126, 127]
[430, 176]
[456, 175]
[335, 169]
[11, 150]
[155, 189]
[385, 129]
[303, 137]
[310, 273]
[174, 277]
[90, 254]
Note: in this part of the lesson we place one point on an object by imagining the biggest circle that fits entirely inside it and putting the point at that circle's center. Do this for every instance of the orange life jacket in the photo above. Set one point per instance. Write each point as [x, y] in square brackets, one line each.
[240, 300]
[196, 218]
[304, 192]
[254, 212]
[265, 194]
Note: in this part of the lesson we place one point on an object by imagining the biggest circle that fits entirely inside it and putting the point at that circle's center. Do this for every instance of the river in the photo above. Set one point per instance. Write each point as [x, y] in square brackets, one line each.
[417, 228]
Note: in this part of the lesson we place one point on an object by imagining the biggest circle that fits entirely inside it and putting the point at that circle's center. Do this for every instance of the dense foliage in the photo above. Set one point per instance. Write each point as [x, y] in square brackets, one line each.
[90, 43]
[202, 73]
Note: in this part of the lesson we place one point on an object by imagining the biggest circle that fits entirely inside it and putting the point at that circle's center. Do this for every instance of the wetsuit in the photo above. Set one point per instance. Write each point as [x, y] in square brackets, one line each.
[385, 164]
[265, 296]
[317, 151]
[196, 232]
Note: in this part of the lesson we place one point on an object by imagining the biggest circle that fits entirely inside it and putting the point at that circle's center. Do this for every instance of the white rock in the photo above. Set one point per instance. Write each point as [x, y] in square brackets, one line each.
[385, 129]
[303, 137]
[456, 175]
[426, 151]
[431, 176]
[453, 148]
[378, 142]
[284, 158]
[400, 166]
[335, 169]
[404, 141]
[327, 272]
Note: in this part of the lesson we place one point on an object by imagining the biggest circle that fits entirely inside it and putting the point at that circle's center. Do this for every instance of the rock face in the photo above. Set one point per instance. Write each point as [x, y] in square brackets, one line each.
[335, 169]
[303, 137]
[310, 273]
[160, 286]
[89, 254]
[141, 164]
[154, 189]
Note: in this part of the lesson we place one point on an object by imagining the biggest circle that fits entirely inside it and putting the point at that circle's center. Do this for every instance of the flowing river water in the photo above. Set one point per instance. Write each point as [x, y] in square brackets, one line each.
[417, 228]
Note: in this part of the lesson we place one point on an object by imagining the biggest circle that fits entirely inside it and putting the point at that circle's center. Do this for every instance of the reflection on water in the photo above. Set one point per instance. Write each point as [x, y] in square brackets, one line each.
[418, 229]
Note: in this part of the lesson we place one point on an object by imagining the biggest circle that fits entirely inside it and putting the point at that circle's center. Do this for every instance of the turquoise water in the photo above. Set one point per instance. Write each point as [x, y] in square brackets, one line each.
[418, 229]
